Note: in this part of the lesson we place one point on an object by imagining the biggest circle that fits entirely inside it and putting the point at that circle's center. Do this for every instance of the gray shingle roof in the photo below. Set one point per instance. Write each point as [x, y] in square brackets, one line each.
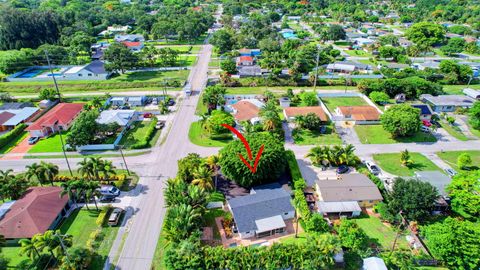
[351, 187]
[266, 201]
[96, 67]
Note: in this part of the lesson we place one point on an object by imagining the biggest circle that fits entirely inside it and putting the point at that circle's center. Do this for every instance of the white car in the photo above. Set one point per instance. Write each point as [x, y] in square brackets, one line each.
[374, 169]
[425, 129]
[451, 172]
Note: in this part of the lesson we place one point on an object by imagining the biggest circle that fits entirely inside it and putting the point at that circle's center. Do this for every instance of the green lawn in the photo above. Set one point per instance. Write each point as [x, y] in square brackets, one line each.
[454, 131]
[9, 146]
[158, 262]
[50, 144]
[307, 137]
[209, 221]
[302, 238]
[13, 253]
[450, 157]
[80, 224]
[198, 136]
[184, 48]
[390, 163]
[458, 89]
[379, 233]
[375, 134]
[151, 76]
[333, 102]
[360, 53]
[186, 60]
[135, 135]
[475, 132]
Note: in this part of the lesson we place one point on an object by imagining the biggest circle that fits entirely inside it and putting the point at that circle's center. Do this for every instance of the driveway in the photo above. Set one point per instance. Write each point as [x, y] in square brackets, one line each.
[18, 151]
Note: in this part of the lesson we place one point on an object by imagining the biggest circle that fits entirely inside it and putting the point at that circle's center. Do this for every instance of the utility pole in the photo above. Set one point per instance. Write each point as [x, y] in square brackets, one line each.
[123, 157]
[316, 70]
[56, 123]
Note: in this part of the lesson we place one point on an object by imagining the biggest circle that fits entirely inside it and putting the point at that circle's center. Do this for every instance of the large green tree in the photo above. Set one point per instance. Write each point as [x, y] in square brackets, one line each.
[215, 121]
[474, 114]
[271, 165]
[401, 120]
[334, 32]
[464, 192]
[83, 129]
[454, 45]
[414, 198]
[455, 242]
[426, 33]
[119, 58]
[213, 96]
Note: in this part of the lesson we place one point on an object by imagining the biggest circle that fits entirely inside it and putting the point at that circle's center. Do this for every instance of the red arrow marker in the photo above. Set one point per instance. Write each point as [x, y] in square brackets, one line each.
[247, 147]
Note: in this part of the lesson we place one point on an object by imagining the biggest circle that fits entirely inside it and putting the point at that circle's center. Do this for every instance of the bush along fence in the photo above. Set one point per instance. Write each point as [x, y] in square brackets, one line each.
[145, 143]
[119, 180]
[6, 138]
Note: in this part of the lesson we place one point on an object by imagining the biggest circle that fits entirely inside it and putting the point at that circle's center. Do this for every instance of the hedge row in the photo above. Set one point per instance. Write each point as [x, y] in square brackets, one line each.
[103, 216]
[293, 165]
[221, 137]
[11, 135]
[148, 135]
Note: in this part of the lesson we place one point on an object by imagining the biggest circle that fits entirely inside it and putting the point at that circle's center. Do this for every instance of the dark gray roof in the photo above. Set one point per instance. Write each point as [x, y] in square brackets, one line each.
[263, 202]
[96, 67]
[350, 187]
[15, 105]
[436, 179]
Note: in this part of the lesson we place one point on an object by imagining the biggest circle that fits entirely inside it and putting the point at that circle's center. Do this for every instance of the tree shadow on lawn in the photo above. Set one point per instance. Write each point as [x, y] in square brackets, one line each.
[65, 225]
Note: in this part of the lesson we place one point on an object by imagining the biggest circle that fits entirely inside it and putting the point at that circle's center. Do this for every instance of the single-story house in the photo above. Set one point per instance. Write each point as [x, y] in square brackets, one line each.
[425, 65]
[395, 66]
[9, 119]
[56, 119]
[121, 38]
[38, 210]
[134, 46]
[251, 71]
[347, 208]
[472, 93]
[245, 61]
[134, 101]
[363, 41]
[291, 112]
[15, 105]
[353, 187]
[374, 263]
[247, 110]
[348, 67]
[263, 212]
[447, 103]
[284, 102]
[425, 111]
[360, 114]
[440, 181]
[121, 117]
[114, 30]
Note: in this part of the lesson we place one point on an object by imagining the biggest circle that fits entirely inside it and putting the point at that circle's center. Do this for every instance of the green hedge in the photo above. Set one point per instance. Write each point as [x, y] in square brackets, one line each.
[221, 137]
[293, 165]
[148, 135]
[103, 216]
[11, 135]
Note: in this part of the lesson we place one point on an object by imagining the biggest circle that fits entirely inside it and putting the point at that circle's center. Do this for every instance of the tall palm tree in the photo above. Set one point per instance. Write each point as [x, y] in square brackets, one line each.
[85, 168]
[35, 170]
[202, 176]
[28, 248]
[108, 169]
[248, 127]
[174, 191]
[70, 188]
[50, 170]
[97, 166]
[54, 243]
[196, 197]
[213, 163]
[91, 190]
[181, 221]
[6, 175]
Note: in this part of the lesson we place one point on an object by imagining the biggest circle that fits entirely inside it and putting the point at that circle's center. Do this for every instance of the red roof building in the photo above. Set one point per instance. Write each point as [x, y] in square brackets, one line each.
[4, 117]
[245, 61]
[58, 118]
[38, 210]
[133, 45]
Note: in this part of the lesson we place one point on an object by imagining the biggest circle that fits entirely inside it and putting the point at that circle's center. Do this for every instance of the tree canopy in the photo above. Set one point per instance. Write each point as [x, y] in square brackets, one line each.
[426, 33]
[401, 120]
[463, 191]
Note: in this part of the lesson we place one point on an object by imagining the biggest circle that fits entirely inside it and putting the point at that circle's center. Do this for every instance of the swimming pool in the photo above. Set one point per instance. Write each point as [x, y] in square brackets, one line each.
[30, 73]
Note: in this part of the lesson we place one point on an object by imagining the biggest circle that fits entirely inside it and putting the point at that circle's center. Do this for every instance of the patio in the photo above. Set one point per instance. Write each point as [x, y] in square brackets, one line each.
[264, 241]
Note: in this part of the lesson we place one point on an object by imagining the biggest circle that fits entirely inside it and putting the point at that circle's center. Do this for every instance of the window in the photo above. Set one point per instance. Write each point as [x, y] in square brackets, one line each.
[79, 75]
[90, 74]
[286, 214]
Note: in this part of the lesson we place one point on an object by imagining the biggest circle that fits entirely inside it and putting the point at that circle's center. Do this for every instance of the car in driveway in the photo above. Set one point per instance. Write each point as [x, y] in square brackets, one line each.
[160, 125]
[147, 115]
[109, 190]
[425, 129]
[342, 169]
[171, 102]
[33, 140]
[451, 172]
[107, 198]
[372, 167]
[114, 217]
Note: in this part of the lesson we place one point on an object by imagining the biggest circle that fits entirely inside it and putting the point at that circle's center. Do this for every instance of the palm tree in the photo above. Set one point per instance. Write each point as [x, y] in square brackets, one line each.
[212, 163]
[54, 243]
[181, 221]
[78, 258]
[97, 167]
[28, 248]
[248, 127]
[202, 176]
[6, 175]
[35, 170]
[319, 155]
[85, 168]
[50, 170]
[196, 197]
[70, 188]
[108, 169]
[96, 103]
[91, 190]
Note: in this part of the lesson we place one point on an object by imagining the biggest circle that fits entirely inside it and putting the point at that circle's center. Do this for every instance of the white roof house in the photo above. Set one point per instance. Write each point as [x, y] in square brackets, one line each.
[472, 93]
[121, 117]
[374, 263]
[20, 115]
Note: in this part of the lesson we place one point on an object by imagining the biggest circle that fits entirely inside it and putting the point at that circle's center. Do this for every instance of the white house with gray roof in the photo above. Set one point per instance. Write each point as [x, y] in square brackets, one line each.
[121, 117]
[263, 212]
[447, 103]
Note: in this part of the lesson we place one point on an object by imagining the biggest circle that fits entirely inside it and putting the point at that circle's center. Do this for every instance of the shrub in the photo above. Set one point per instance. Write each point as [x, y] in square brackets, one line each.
[316, 223]
[103, 216]
[293, 165]
[11, 135]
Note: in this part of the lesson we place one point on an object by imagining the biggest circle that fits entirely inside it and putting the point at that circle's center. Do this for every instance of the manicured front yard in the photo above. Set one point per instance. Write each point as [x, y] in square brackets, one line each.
[198, 136]
[380, 233]
[308, 137]
[13, 253]
[360, 53]
[390, 163]
[375, 134]
[135, 134]
[333, 102]
[50, 144]
[13, 143]
[80, 225]
[450, 157]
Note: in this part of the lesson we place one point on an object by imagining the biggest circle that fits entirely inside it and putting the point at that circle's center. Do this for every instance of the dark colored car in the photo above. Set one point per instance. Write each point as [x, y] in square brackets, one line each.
[107, 198]
[342, 169]
[147, 115]
[171, 102]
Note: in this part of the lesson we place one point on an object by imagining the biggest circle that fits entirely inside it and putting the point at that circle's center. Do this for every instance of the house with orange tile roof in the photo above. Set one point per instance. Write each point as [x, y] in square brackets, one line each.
[247, 110]
[58, 118]
[245, 61]
[38, 210]
[291, 113]
[361, 115]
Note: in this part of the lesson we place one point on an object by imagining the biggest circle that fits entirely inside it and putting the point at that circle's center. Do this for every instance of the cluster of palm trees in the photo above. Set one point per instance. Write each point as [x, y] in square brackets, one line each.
[12, 186]
[51, 241]
[43, 172]
[78, 189]
[204, 173]
[333, 156]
